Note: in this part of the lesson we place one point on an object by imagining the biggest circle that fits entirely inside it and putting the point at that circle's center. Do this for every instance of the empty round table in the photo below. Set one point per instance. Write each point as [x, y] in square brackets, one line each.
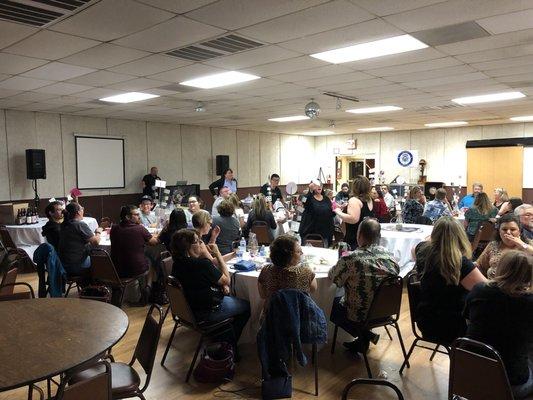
[42, 338]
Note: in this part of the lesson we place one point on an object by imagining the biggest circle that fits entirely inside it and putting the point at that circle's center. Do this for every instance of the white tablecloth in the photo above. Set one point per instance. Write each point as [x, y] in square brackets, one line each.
[30, 235]
[400, 243]
[246, 288]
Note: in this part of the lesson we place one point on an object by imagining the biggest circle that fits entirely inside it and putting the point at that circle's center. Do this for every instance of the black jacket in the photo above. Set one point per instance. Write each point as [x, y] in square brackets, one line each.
[215, 187]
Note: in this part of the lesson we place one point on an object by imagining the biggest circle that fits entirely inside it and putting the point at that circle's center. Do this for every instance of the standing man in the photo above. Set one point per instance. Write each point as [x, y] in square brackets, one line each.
[468, 200]
[525, 213]
[271, 190]
[148, 182]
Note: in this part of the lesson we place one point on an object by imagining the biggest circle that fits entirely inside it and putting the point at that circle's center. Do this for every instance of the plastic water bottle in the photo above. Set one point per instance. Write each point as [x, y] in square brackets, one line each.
[242, 246]
[262, 251]
[252, 241]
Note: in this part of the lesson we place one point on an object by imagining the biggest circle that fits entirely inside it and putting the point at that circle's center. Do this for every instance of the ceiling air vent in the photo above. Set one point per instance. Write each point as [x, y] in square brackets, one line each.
[437, 108]
[37, 12]
[221, 46]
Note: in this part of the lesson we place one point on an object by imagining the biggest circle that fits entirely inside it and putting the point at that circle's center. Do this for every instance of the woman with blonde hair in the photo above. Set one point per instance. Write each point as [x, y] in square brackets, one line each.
[360, 205]
[414, 206]
[500, 197]
[260, 212]
[447, 275]
[501, 314]
[481, 210]
[239, 212]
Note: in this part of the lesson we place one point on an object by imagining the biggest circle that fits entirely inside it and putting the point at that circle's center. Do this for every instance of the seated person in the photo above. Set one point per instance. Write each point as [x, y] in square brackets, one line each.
[438, 207]
[127, 247]
[360, 274]
[389, 198]
[481, 210]
[148, 217]
[447, 275]
[75, 240]
[176, 221]
[194, 205]
[344, 195]
[468, 200]
[509, 206]
[205, 284]
[202, 223]
[509, 237]
[414, 206]
[224, 194]
[229, 227]
[501, 315]
[271, 190]
[381, 212]
[285, 272]
[260, 212]
[500, 198]
[239, 211]
[525, 213]
[52, 228]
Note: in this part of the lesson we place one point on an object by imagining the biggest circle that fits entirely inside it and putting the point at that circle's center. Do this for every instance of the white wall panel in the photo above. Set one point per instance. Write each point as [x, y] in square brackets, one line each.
[164, 150]
[48, 128]
[196, 153]
[502, 131]
[430, 146]
[71, 124]
[269, 144]
[307, 165]
[4, 160]
[248, 158]
[391, 142]
[135, 152]
[455, 152]
[291, 156]
[224, 142]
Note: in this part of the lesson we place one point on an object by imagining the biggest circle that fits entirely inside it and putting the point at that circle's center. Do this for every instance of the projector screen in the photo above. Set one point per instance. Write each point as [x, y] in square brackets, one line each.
[99, 162]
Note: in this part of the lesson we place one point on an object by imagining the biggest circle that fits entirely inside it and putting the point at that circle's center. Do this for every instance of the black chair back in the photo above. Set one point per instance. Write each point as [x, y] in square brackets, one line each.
[96, 387]
[146, 348]
[387, 299]
[373, 382]
[102, 268]
[178, 303]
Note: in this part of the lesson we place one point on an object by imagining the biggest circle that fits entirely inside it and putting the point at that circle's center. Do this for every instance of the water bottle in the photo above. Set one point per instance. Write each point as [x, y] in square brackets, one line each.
[252, 241]
[262, 251]
[242, 247]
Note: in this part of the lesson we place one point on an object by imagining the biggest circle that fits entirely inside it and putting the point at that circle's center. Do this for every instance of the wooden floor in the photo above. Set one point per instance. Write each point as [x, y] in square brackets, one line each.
[424, 380]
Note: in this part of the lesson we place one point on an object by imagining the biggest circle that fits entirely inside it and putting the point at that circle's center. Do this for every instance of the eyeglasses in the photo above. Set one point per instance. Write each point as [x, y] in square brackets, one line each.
[193, 201]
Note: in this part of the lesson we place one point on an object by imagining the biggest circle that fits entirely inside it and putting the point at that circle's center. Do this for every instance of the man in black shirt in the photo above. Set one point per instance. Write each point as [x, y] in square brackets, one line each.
[271, 190]
[148, 182]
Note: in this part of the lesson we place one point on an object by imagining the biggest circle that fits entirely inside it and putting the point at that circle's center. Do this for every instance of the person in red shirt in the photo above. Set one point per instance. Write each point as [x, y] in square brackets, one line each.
[380, 208]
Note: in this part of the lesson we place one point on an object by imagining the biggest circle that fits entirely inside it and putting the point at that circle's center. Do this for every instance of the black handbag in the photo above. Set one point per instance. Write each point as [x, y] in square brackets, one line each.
[277, 387]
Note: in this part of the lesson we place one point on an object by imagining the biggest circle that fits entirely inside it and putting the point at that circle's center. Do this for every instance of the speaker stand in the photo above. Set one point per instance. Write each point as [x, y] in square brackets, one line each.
[36, 200]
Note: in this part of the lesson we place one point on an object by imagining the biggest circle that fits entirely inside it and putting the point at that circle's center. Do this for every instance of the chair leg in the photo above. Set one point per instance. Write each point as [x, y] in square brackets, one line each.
[334, 339]
[315, 362]
[166, 313]
[170, 339]
[194, 358]
[401, 342]
[406, 361]
[434, 353]
[68, 288]
[369, 372]
[388, 333]
[49, 388]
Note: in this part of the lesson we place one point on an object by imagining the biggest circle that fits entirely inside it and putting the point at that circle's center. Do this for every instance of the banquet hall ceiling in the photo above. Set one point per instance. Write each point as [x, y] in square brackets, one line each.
[108, 47]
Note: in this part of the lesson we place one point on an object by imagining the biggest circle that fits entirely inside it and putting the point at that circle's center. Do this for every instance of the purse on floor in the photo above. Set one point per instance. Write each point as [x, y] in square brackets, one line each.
[216, 364]
[278, 386]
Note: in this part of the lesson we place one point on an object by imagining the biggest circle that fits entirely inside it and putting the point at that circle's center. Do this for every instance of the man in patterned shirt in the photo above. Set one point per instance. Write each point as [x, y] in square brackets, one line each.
[360, 273]
[438, 207]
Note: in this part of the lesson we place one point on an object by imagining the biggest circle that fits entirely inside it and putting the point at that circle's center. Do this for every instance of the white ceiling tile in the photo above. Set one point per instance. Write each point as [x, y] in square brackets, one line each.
[137, 84]
[261, 55]
[359, 33]
[452, 12]
[32, 96]
[11, 32]
[168, 35]
[516, 21]
[435, 73]
[22, 83]
[98, 93]
[63, 88]
[280, 67]
[525, 77]
[14, 64]
[185, 73]
[334, 79]
[8, 103]
[496, 54]
[388, 7]
[313, 73]
[150, 65]
[178, 6]
[415, 67]
[8, 92]
[50, 45]
[234, 14]
[100, 78]
[353, 86]
[57, 71]
[320, 18]
[3, 77]
[506, 71]
[396, 59]
[104, 56]
[111, 19]
[505, 63]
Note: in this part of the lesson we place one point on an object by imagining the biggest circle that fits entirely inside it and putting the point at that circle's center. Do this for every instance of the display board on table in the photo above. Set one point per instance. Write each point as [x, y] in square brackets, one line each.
[100, 162]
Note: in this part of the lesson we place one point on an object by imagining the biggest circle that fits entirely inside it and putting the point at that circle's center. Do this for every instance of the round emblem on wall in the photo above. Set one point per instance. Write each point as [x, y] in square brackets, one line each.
[405, 158]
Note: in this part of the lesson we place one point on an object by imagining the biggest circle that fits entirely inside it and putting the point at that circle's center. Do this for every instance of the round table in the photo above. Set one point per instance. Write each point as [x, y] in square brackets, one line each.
[245, 287]
[400, 243]
[42, 338]
[31, 235]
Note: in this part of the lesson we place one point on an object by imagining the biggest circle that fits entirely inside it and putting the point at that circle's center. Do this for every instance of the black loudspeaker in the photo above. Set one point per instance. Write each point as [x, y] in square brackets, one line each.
[355, 168]
[35, 164]
[222, 164]
[430, 188]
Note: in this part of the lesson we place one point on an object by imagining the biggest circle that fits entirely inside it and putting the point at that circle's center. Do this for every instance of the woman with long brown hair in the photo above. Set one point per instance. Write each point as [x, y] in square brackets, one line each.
[447, 275]
[482, 210]
[501, 315]
[360, 206]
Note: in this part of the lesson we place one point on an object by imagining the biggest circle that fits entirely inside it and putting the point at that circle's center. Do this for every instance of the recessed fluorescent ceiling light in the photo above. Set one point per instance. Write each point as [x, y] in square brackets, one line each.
[129, 97]
[370, 110]
[317, 133]
[289, 119]
[524, 118]
[487, 98]
[445, 124]
[377, 129]
[378, 48]
[218, 80]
